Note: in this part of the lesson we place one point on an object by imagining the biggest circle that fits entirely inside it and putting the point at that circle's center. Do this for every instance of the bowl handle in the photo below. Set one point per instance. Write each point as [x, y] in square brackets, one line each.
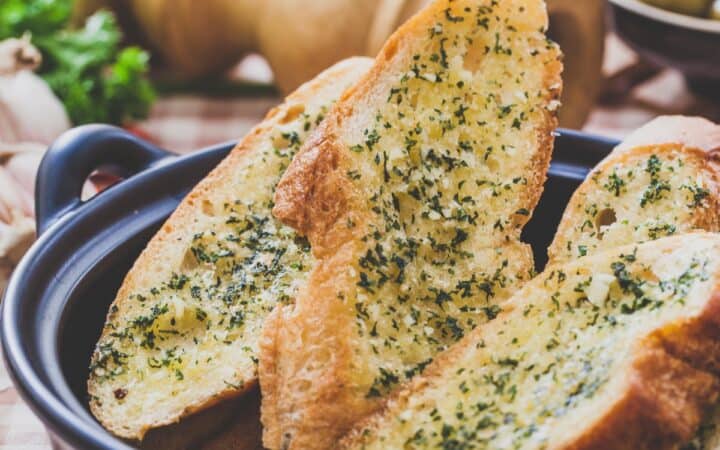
[74, 156]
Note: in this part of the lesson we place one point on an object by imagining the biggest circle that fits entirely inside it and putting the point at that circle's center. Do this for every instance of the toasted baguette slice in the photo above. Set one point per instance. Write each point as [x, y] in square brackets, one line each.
[685, 145]
[617, 350]
[693, 132]
[413, 194]
[183, 332]
[661, 187]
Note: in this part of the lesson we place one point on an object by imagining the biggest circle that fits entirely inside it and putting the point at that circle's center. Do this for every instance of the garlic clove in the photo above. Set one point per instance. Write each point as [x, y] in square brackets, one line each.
[23, 168]
[5, 212]
[14, 200]
[16, 238]
[5, 272]
[21, 164]
[17, 55]
[31, 109]
[8, 150]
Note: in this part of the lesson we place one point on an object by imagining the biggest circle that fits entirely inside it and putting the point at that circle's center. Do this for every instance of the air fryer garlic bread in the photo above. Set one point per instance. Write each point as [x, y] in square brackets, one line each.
[661, 187]
[617, 350]
[183, 332]
[413, 194]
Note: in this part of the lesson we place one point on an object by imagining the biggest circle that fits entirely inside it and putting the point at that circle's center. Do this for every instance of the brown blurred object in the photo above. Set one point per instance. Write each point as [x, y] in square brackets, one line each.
[636, 91]
[231, 424]
[300, 38]
[579, 28]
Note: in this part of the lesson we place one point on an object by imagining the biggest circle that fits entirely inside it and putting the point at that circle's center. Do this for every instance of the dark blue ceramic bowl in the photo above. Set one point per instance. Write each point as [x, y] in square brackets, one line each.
[55, 304]
[688, 44]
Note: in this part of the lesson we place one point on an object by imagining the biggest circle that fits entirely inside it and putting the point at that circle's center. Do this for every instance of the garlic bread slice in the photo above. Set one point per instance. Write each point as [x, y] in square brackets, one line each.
[617, 350]
[183, 332]
[413, 194]
[662, 180]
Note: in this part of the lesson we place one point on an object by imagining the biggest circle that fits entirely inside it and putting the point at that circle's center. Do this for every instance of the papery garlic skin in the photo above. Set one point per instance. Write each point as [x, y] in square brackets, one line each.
[29, 111]
[23, 168]
[16, 238]
[17, 55]
[31, 117]
[14, 200]
[17, 226]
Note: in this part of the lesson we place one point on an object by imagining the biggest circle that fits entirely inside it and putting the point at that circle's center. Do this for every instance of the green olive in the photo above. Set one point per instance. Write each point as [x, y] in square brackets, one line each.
[690, 7]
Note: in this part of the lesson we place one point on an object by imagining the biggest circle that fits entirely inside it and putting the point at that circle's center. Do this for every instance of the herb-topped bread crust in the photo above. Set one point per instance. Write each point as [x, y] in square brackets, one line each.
[617, 350]
[639, 195]
[183, 332]
[662, 180]
[671, 188]
[413, 194]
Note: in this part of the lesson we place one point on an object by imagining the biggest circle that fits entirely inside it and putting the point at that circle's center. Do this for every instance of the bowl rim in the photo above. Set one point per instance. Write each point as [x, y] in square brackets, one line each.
[64, 424]
[65, 427]
[669, 17]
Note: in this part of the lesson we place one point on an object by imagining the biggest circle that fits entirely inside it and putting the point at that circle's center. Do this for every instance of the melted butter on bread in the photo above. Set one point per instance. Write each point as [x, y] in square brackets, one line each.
[413, 195]
[183, 332]
[556, 370]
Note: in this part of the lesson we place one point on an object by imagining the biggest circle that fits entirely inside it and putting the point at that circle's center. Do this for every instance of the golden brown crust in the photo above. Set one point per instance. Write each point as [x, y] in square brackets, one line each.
[168, 244]
[330, 324]
[705, 218]
[661, 407]
[669, 389]
[692, 132]
[268, 366]
[672, 379]
[317, 198]
[314, 195]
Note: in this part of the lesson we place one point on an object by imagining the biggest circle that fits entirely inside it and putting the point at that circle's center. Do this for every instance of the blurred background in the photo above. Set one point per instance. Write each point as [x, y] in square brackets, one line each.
[186, 74]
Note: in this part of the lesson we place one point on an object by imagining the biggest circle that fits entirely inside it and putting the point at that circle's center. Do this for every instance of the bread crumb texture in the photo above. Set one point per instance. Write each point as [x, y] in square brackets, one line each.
[559, 361]
[637, 196]
[184, 329]
[444, 152]
[441, 154]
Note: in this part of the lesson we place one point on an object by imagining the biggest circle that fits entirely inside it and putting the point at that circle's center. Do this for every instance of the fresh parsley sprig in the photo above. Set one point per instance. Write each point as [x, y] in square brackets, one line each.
[96, 79]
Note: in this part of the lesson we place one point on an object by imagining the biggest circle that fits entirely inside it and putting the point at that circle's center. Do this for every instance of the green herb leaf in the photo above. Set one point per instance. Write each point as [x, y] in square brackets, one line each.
[38, 17]
[96, 80]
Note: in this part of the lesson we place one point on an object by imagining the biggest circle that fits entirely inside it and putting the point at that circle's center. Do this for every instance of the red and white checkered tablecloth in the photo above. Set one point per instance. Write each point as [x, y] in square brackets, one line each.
[186, 123]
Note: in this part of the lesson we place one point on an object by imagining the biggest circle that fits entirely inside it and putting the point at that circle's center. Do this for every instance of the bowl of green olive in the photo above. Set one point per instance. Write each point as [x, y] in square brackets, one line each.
[682, 34]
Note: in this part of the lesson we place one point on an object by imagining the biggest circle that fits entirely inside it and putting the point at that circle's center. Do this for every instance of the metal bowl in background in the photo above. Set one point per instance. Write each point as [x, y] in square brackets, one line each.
[688, 44]
[55, 305]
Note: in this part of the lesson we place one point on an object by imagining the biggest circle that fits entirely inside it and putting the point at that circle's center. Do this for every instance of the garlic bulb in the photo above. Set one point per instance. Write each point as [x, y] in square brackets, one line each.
[17, 178]
[29, 111]
[31, 117]
[18, 168]
[17, 227]
[15, 239]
